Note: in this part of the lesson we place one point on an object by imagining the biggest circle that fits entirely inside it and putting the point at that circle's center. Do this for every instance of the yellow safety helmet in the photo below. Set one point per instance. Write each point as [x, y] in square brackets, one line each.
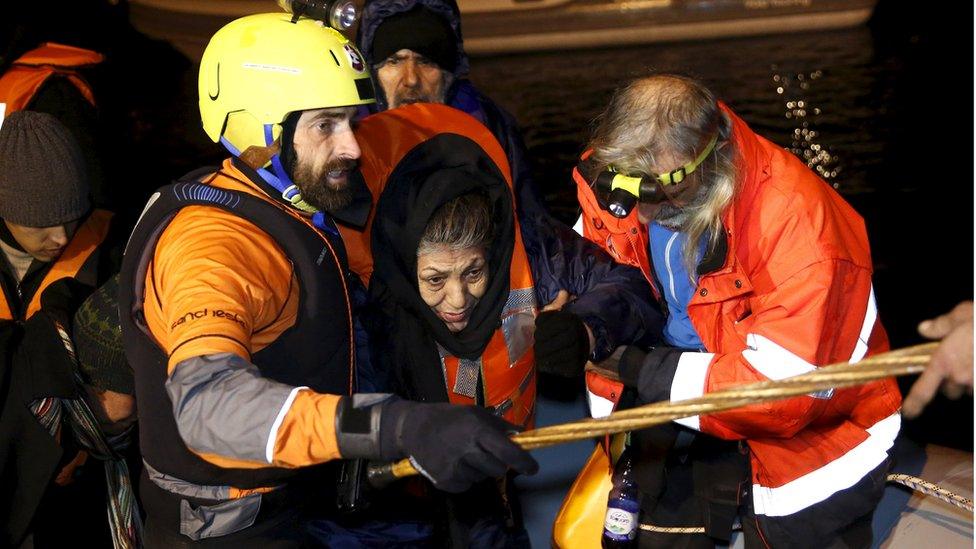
[258, 69]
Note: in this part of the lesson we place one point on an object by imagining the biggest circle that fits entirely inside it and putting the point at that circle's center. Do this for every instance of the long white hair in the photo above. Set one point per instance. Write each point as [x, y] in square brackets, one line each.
[670, 116]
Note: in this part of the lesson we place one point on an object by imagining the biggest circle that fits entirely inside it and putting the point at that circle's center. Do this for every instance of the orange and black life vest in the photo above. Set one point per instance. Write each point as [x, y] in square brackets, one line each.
[78, 260]
[507, 365]
[316, 352]
[21, 82]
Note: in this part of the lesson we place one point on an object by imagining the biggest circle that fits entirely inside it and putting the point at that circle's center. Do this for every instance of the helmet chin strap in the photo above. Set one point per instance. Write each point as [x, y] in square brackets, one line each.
[281, 181]
[278, 178]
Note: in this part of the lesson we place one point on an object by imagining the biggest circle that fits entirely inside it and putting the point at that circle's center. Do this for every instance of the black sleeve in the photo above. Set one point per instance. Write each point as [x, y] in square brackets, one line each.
[615, 301]
[651, 372]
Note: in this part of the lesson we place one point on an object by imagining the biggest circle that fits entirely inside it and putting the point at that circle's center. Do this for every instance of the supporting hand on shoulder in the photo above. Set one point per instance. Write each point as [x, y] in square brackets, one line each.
[562, 343]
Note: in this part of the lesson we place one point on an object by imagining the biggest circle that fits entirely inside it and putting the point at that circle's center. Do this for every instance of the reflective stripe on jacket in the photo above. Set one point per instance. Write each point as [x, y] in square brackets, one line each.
[793, 293]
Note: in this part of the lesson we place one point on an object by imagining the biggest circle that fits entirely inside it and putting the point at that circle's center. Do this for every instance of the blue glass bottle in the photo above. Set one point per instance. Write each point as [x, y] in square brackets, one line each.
[623, 505]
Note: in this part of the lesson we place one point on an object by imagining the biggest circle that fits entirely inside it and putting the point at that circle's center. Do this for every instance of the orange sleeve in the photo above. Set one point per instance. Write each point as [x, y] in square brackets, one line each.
[307, 435]
[217, 284]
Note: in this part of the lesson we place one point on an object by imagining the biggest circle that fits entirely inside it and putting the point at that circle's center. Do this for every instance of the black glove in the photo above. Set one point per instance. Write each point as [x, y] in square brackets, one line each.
[629, 366]
[562, 345]
[63, 297]
[453, 446]
[650, 372]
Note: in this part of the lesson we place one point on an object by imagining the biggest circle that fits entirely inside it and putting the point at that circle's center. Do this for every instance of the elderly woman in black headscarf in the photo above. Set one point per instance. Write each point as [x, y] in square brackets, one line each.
[454, 298]
[444, 249]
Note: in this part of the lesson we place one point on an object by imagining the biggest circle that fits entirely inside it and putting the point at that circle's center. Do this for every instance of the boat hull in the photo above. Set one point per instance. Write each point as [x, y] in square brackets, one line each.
[508, 26]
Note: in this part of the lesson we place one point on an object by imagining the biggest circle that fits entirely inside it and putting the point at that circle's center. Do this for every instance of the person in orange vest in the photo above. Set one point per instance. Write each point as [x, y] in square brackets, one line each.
[49, 228]
[53, 78]
[54, 251]
[237, 317]
[764, 272]
[415, 49]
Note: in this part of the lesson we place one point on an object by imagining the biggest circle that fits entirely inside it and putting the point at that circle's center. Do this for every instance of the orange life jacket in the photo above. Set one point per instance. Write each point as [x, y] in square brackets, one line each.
[86, 240]
[20, 83]
[507, 365]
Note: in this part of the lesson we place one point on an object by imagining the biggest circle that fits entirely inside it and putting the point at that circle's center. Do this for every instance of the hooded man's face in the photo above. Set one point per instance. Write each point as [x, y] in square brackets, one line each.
[408, 77]
[326, 152]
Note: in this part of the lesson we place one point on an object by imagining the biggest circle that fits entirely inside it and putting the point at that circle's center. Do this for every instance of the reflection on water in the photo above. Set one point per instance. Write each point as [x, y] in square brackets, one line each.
[824, 101]
[805, 144]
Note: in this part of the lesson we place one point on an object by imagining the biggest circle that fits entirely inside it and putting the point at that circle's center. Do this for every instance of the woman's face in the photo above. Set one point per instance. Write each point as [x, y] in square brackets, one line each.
[452, 281]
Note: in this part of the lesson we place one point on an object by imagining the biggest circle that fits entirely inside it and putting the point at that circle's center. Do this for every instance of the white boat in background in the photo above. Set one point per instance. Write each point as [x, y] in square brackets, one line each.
[503, 26]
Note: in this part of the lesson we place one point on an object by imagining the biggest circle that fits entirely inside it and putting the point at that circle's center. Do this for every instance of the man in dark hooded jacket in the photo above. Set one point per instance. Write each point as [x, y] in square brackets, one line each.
[417, 55]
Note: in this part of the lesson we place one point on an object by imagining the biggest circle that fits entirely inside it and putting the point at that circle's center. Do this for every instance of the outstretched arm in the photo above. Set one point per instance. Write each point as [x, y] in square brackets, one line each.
[951, 366]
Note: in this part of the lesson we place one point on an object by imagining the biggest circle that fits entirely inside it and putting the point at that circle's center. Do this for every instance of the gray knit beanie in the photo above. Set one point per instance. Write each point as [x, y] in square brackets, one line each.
[43, 180]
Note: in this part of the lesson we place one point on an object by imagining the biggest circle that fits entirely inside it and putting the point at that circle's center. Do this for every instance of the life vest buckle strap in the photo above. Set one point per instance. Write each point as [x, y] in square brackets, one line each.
[504, 406]
[185, 488]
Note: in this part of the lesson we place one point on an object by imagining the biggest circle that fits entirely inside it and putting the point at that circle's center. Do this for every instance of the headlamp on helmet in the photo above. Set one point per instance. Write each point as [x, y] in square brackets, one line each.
[619, 193]
[338, 14]
[259, 68]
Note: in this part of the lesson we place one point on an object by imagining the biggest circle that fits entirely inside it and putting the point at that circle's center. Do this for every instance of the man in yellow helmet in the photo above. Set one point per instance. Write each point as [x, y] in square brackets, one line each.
[237, 316]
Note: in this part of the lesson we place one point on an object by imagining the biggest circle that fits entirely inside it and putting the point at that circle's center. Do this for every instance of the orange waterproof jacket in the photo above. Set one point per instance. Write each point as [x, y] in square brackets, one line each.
[24, 78]
[508, 365]
[794, 293]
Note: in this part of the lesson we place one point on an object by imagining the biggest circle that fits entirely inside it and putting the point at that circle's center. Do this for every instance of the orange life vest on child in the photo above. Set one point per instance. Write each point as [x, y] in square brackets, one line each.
[71, 262]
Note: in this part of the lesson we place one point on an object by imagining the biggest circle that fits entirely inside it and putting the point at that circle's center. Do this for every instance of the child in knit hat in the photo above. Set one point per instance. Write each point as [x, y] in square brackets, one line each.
[43, 186]
[48, 229]
[55, 249]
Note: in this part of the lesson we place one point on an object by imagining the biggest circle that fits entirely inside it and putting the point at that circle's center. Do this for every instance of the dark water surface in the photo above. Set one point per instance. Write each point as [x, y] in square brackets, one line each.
[871, 108]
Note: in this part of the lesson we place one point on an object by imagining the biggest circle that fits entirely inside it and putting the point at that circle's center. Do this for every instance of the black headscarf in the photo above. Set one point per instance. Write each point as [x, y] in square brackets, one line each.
[432, 174]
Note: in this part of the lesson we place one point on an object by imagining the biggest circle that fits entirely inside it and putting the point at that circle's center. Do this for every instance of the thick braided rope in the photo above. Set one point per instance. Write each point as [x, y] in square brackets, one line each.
[930, 489]
[907, 361]
[911, 360]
